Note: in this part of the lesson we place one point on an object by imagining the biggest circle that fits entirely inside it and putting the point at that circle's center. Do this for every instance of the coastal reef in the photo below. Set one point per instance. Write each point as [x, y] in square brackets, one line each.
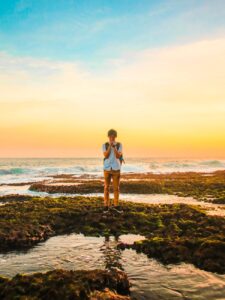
[174, 233]
[209, 187]
[61, 284]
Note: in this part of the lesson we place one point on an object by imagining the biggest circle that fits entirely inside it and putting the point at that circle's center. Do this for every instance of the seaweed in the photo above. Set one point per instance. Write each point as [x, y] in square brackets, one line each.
[178, 227]
[201, 186]
[62, 284]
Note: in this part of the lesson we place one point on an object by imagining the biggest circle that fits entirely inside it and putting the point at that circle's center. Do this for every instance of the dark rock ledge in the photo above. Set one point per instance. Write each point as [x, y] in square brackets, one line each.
[66, 285]
[201, 186]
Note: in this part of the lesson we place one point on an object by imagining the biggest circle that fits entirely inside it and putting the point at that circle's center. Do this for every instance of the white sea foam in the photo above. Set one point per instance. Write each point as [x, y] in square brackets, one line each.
[27, 170]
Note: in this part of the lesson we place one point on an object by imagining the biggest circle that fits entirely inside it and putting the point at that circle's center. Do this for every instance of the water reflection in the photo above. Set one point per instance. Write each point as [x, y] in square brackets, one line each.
[149, 278]
[111, 255]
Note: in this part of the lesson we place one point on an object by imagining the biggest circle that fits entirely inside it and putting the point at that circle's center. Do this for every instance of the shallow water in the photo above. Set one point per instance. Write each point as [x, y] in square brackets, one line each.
[150, 279]
[210, 208]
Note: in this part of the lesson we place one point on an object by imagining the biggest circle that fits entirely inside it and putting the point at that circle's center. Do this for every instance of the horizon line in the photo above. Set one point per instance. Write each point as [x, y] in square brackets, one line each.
[128, 157]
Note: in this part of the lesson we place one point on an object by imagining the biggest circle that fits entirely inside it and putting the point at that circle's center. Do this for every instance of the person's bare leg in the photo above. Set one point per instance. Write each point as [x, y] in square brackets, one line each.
[116, 184]
[107, 177]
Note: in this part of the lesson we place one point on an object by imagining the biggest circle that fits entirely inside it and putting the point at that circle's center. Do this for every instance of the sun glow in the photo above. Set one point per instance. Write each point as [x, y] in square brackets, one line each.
[164, 102]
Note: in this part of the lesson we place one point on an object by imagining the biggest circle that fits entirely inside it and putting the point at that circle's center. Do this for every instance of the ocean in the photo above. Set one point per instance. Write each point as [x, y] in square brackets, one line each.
[22, 170]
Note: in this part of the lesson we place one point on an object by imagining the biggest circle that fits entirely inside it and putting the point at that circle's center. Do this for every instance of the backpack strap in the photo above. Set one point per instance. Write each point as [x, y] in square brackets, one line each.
[118, 146]
[106, 146]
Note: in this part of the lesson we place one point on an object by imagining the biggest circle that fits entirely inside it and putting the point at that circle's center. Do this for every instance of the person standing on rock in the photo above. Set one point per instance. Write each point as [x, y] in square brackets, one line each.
[113, 158]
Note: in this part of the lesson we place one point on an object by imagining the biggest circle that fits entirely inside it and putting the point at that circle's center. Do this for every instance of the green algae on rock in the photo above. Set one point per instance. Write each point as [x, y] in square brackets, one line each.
[166, 226]
[205, 254]
[66, 285]
[15, 197]
[201, 186]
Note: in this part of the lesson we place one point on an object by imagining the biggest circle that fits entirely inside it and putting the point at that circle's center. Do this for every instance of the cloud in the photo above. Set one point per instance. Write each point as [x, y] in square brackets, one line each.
[163, 73]
[172, 93]
[192, 73]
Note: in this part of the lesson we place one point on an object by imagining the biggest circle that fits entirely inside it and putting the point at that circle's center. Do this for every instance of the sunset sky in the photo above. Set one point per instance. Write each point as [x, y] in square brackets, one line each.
[154, 70]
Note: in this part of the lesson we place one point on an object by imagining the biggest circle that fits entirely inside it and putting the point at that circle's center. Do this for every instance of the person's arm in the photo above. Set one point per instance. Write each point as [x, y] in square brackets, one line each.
[119, 153]
[107, 152]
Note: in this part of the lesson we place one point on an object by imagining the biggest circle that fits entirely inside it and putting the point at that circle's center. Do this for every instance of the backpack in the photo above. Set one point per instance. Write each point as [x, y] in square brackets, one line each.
[117, 147]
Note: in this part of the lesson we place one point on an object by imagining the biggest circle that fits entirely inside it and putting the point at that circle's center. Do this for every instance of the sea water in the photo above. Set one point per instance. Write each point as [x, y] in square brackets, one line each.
[18, 170]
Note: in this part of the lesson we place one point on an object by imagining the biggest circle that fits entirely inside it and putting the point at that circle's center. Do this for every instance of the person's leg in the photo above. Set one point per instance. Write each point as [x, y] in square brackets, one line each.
[116, 184]
[107, 177]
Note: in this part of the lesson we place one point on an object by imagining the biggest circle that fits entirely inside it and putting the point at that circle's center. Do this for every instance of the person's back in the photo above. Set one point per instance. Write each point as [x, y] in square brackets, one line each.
[113, 158]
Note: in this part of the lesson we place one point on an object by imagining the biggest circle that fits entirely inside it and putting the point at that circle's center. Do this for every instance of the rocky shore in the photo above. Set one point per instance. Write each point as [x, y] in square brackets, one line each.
[174, 233]
[205, 254]
[209, 187]
[67, 285]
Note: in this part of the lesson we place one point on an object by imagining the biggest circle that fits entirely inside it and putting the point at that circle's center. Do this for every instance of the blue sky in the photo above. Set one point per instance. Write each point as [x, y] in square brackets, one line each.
[95, 31]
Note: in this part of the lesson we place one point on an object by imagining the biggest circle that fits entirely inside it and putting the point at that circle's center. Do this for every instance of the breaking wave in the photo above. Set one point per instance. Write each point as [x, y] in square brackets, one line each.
[14, 171]
[26, 170]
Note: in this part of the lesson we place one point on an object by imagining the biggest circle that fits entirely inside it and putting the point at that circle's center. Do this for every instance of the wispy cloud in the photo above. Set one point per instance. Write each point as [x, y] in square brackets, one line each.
[163, 73]
[176, 93]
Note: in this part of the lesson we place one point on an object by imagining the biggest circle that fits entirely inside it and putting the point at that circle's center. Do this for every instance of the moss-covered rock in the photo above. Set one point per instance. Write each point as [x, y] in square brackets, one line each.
[66, 285]
[205, 254]
[136, 187]
[15, 197]
[165, 226]
[201, 186]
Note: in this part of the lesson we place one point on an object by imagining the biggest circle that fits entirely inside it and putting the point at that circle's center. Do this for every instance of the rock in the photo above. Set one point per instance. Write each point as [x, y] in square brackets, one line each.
[174, 233]
[67, 285]
[201, 186]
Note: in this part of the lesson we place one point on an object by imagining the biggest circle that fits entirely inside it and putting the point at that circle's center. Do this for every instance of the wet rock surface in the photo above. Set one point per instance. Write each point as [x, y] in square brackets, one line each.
[62, 284]
[208, 255]
[174, 233]
[209, 187]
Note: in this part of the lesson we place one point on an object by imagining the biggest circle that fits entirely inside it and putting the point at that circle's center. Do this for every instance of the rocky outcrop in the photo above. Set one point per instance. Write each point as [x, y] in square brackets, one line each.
[67, 285]
[15, 197]
[201, 186]
[205, 254]
[169, 227]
